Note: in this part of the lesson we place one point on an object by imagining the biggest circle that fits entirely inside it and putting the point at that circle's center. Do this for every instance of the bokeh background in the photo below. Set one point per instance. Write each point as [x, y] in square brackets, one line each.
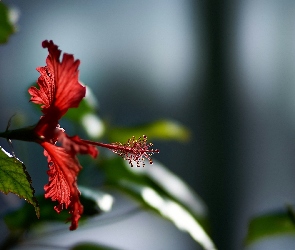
[225, 69]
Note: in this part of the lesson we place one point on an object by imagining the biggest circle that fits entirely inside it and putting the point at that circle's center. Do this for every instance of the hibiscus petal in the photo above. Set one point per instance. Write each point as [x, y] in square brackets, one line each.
[62, 186]
[59, 87]
[74, 145]
[45, 95]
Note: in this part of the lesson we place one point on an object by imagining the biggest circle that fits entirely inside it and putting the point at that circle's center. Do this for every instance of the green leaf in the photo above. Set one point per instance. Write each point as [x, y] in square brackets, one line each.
[90, 246]
[6, 27]
[156, 188]
[94, 202]
[15, 179]
[270, 225]
[161, 129]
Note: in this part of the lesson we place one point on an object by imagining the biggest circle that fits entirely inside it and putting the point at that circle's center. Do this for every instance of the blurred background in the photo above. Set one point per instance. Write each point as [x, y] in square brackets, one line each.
[225, 70]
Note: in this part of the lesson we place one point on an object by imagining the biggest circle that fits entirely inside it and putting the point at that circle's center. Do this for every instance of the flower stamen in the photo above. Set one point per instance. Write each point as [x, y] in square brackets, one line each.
[133, 150]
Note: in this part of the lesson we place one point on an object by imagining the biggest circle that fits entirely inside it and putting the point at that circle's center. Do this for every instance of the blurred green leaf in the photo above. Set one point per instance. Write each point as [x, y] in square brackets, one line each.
[271, 224]
[158, 189]
[90, 246]
[85, 115]
[15, 179]
[6, 27]
[161, 129]
[99, 199]
[94, 202]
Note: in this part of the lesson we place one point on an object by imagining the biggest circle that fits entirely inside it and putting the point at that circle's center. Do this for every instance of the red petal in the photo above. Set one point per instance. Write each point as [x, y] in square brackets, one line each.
[59, 88]
[74, 145]
[62, 186]
[46, 84]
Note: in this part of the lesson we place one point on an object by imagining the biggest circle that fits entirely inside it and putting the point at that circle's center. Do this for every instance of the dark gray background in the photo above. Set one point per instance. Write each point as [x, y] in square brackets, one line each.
[224, 70]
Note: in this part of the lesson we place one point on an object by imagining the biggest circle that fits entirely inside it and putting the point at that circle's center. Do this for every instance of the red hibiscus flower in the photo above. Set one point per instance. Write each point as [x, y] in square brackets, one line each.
[59, 89]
